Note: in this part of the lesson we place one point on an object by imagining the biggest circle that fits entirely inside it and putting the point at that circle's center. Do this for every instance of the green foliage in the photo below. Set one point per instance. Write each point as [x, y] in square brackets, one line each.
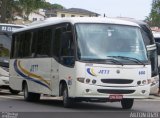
[53, 6]
[25, 7]
[29, 6]
[13, 7]
[155, 14]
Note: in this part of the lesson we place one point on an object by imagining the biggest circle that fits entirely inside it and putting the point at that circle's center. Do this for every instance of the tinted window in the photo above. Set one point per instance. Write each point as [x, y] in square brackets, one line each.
[34, 43]
[67, 48]
[44, 42]
[63, 43]
[147, 34]
[56, 45]
[38, 42]
[26, 45]
[47, 41]
[5, 42]
[15, 45]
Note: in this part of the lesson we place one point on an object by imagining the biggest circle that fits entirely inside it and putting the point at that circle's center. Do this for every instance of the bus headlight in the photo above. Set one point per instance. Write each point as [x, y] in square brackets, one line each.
[80, 79]
[88, 80]
[144, 82]
[139, 83]
[94, 81]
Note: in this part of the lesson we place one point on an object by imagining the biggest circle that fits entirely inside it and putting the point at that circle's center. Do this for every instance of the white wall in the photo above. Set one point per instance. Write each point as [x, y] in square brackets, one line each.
[37, 16]
[69, 15]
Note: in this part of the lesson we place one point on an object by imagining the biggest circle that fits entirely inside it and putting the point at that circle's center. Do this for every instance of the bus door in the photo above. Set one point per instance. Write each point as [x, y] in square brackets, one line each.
[55, 61]
[55, 77]
[63, 59]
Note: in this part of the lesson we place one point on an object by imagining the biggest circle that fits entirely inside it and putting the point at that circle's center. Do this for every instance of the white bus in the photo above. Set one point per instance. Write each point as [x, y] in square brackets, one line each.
[151, 52]
[81, 59]
[5, 45]
[157, 40]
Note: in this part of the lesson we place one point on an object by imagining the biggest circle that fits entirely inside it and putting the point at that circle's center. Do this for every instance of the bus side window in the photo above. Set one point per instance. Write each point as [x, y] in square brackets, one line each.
[27, 44]
[56, 42]
[40, 44]
[67, 48]
[21, 47]
[34, 43]
[63, 44]
[17, 51]
[44, 43]
[47, 42]
[14, 46]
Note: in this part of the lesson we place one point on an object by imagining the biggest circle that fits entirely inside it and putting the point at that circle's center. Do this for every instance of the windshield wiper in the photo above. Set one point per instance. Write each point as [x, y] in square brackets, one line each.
[129, 58]
[109, 59]
[115, 61]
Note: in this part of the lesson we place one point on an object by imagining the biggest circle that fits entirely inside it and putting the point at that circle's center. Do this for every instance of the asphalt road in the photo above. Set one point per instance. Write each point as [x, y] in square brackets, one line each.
[14, 106]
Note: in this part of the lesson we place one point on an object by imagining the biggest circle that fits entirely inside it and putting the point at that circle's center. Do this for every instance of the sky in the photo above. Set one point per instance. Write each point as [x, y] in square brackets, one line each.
[137, 9]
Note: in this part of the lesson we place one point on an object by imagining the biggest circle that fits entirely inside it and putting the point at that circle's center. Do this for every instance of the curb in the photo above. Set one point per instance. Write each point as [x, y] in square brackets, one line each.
[154, 97]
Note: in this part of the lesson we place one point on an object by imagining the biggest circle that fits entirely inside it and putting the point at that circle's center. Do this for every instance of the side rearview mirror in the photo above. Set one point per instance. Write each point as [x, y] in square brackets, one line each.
[158, 48]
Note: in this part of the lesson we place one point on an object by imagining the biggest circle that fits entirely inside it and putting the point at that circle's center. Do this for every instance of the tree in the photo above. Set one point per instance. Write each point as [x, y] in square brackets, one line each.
[11, 8]
[3, 10]
[155, 13]
[31, 5]
[50, 6]
[8, 10]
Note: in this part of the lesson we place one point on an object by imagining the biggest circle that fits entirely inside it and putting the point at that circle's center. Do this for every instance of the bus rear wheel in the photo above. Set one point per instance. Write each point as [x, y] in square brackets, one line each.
[67, 102]
[28, 96]
[127, 103]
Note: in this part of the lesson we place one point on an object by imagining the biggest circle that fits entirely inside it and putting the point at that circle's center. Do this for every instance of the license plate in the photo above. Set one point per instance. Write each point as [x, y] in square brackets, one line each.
[116, 97]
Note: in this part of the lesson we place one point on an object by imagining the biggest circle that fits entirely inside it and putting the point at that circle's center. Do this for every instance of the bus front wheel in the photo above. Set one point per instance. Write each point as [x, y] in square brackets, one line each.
[127, 103]
[28, 96]
[67, 102]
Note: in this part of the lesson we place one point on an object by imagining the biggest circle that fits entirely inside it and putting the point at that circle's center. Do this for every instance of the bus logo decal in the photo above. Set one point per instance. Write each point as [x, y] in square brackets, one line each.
[91, 71]
[30, 76]
[103, 72]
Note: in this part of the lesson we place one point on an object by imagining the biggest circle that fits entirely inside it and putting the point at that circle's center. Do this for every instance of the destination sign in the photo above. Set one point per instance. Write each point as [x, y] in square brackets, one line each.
[5, 28]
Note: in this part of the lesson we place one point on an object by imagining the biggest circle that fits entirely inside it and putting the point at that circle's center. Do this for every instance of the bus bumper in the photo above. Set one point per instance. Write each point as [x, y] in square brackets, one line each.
[93, 91]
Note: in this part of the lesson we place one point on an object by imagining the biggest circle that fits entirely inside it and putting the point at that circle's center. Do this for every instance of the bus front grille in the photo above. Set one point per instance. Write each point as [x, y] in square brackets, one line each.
[117, 81]
[115, 91]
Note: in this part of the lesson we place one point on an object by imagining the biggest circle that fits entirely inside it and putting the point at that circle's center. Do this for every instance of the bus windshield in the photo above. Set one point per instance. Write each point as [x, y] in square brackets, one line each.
[5, 44]
[103, 41]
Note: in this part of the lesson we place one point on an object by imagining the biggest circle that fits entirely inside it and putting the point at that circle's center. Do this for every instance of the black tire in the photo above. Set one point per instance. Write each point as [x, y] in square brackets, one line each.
[14, 92]
[67, 102]
[28, 96]
[127, 103]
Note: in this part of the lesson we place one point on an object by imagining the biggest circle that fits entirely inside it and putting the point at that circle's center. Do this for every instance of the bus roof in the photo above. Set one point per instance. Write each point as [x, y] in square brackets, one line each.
[12, 25]
[57, 20]
[139, 22]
